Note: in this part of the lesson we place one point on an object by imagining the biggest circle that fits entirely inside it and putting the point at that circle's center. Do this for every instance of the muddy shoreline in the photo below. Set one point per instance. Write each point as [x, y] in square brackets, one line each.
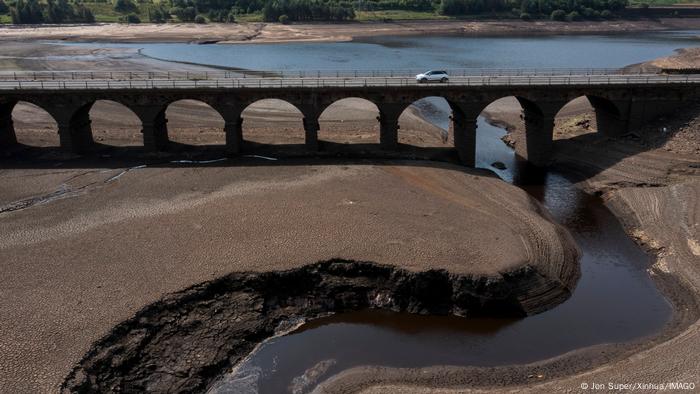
[241, 310]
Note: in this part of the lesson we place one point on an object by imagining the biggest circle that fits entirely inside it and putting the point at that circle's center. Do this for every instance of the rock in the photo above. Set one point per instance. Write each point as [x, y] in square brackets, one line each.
[498, 165]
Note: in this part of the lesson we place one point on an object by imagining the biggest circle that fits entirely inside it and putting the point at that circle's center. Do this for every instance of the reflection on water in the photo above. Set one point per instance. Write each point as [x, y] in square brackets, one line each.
[614, 301]
[436, 111]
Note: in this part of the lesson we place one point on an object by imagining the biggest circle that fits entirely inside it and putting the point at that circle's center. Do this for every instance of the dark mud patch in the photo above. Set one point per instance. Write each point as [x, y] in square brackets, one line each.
[186, 341]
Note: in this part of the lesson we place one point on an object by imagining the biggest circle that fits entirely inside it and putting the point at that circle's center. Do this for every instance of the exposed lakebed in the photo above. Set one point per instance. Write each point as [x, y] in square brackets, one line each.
[614, 301]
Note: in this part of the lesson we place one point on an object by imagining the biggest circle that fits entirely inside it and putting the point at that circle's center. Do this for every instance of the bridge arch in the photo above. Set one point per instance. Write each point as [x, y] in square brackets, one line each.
[426, 122]
[350, 120]
[273, 121]
[529, 127]
[28, 123]
[106, 121]
[588, 113]
[193, 122]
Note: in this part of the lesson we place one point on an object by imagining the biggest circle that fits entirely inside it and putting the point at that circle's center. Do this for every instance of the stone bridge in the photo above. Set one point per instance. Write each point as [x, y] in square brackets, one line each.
[622, 103]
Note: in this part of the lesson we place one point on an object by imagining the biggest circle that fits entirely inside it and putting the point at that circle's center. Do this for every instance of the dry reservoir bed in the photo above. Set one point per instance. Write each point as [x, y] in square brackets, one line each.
[99, 248]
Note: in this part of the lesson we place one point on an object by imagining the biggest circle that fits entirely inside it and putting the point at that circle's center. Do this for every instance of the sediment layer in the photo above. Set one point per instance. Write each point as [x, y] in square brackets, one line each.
[185, 341]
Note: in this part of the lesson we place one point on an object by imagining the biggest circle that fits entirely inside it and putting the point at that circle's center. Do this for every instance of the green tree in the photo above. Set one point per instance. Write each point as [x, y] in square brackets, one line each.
[158, 14]
[558, 15]
[125, 6]
[83, 14]
[186, 14]
[573, 16]
[59, 11]
[27, 12]
[130, 18]
[4, 9]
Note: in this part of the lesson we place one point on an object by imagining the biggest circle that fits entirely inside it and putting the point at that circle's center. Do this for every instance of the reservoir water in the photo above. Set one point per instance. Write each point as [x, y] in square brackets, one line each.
[614, 301]
[430, 52]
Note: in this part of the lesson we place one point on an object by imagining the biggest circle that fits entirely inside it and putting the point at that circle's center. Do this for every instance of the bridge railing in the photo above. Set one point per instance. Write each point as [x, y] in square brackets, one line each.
[242, 83]
[235, 74]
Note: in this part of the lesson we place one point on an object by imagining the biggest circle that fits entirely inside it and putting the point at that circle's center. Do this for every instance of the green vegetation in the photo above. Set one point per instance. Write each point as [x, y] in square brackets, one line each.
[307, 10]
[51, 11]
[388, 15]
[288, 11]
[659, 3]
[556, 9]
[130, 18]
[125, 6]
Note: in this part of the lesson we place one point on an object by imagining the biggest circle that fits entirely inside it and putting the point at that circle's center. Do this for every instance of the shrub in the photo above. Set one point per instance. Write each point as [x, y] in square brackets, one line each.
[606, 14]
[284, 19]
[125, 6]
[573, 16]
[463, 7]
[130, 18]
[525, 16]
[231, 18]
[558, 15]
[157, 15]
[200, 19]
[84, 14]
[186, 14]
[587, 12]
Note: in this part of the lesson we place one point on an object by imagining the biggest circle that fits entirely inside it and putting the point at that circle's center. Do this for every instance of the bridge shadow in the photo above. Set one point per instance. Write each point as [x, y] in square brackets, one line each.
[585, 156]
[182, 155]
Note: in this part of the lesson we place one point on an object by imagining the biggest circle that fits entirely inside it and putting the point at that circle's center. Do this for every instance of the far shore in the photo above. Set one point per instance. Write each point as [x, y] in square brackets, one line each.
[325, 32]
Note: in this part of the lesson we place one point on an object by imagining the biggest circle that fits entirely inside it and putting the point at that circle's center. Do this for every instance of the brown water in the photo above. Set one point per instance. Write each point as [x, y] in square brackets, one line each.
[614, 301]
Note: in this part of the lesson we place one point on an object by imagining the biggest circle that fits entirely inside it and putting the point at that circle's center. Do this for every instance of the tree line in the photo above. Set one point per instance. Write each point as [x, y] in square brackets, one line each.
[526, 9]
[284, 11]
[49, 11]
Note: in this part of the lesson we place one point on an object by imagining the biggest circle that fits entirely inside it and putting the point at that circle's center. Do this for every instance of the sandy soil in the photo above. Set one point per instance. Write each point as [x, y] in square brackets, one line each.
[683, 59]
[274, 32]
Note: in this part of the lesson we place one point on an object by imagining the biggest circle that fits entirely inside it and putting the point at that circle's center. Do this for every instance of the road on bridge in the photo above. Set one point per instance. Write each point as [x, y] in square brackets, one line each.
[326, 79]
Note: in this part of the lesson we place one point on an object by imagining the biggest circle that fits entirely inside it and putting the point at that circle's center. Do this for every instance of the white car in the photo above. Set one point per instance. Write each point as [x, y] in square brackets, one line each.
[433, 76]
